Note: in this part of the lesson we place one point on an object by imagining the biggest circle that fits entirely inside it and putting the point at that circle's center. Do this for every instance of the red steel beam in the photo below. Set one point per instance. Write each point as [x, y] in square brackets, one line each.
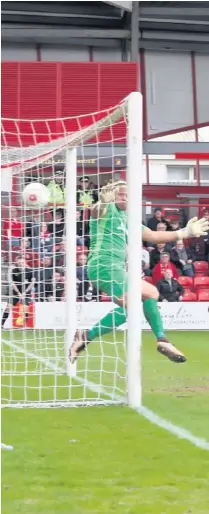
[192, 155]
[176, 205]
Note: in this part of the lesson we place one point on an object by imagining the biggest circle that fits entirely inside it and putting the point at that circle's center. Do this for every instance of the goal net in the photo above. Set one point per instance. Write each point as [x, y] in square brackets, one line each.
[46, 291]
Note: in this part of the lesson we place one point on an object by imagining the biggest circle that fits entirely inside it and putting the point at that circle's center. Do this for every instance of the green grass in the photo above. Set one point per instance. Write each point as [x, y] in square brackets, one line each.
[104, 459]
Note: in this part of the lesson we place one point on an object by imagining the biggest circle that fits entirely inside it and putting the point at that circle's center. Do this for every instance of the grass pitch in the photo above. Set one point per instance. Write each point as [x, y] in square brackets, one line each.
[105, 459]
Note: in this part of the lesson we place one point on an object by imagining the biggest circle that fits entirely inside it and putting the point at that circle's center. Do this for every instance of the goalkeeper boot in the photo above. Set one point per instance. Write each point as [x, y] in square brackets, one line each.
[79, 344]
[170, 351]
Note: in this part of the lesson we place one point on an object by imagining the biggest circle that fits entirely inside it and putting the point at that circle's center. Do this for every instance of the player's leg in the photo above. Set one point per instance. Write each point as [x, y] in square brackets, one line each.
[117, 289]
[150, 296]
[152, 314]
[114, 284]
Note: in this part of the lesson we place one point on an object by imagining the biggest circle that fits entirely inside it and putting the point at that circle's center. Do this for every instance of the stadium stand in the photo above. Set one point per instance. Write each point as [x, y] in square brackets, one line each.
[201, 268]
[203, 295]
[14, 245]
[189, 296]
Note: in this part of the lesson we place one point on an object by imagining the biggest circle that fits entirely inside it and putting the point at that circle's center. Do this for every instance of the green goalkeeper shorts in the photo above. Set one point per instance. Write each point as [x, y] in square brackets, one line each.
[111, 280]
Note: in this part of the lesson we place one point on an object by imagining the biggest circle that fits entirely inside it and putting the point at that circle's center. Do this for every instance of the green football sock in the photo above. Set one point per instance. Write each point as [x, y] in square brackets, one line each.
[111, 321]
[152, 315]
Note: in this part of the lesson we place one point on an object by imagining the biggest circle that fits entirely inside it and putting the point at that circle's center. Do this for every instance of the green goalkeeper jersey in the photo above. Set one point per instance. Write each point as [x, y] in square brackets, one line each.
[108, 237]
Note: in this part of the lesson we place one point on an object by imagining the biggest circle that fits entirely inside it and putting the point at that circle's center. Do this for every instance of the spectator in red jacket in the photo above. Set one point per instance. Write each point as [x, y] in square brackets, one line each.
[164, 264]
[156, 253]
[13, 229]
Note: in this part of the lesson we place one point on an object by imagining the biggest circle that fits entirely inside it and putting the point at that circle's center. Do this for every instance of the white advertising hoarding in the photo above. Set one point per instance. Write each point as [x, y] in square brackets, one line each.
[176, 316]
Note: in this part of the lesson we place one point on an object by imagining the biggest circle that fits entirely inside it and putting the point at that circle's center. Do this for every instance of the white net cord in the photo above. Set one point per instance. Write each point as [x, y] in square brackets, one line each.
[38, 274]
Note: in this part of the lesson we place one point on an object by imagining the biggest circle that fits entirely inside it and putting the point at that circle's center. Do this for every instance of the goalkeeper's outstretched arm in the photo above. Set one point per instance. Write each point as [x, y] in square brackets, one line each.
[194, 228]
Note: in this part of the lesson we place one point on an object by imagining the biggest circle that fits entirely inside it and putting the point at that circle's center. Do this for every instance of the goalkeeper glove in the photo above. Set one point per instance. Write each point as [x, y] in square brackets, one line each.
[107, 194]
[194, 228]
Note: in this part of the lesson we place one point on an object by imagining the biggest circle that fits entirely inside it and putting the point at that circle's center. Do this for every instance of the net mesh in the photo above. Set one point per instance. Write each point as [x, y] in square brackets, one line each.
[34, 261]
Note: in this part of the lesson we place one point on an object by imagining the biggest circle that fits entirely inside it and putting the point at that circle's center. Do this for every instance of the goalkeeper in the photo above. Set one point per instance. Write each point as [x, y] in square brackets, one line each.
[107, 268]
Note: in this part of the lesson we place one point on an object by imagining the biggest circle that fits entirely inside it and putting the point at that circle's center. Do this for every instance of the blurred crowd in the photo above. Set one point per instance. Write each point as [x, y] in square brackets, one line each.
[40, 245]
[31, 242]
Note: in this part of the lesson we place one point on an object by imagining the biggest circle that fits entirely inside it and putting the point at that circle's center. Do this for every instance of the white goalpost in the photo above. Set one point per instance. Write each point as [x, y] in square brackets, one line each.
[35, 341]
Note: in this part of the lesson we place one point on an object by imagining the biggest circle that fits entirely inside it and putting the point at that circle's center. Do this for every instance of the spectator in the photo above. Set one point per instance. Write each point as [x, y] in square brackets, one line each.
[158, 218]
[91, 295]
[56, 226]
[175, 225]
[156, 253]
[22, 283]
[56, 286]
[206, 238]
[163, 265]
[80, 239]
[182, 258]
[57, 189]
[82, 276]
[46, 240]
[146, 262]
[24, 251]
[87, 192]
[60, 258]
[85, 290]
[197, 248]
[33, 229]
[169, 288]
[43, 277]
[86, 197]
[162, 227]
[13, 229]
